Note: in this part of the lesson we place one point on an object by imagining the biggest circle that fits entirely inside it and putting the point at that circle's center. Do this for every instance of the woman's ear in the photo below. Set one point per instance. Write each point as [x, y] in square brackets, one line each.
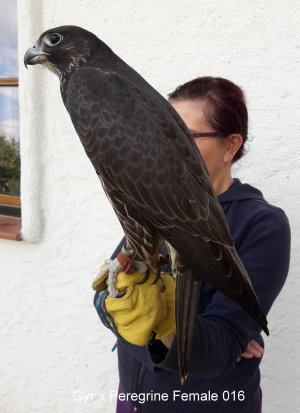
[233, 143]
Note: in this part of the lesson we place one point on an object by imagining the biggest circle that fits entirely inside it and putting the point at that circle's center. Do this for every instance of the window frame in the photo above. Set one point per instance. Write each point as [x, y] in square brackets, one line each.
[10, 214]
[9, 81]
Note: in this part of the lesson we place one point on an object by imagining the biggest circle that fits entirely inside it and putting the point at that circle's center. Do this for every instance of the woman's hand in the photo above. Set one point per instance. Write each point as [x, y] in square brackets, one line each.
[253, 350]
[168, 340]
[142, 307]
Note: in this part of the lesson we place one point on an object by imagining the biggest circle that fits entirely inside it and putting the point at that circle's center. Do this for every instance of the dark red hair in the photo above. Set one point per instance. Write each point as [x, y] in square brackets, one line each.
[224, 105]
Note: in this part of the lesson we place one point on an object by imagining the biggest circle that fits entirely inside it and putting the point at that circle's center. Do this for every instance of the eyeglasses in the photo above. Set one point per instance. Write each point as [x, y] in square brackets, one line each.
[208, 135]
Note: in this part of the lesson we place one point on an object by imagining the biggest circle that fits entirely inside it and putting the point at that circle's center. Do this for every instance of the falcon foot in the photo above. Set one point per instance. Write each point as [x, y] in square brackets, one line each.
[162, 258]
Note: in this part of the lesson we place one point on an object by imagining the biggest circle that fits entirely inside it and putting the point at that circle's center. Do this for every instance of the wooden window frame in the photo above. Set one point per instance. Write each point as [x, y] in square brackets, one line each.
[13, 81]
[10, 226]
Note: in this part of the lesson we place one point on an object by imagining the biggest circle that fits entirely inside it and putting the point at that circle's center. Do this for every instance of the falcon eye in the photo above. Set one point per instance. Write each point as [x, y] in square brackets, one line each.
[55, 38]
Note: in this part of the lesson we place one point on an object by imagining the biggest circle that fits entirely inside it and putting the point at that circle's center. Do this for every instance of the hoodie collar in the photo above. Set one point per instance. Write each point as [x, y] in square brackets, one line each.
[238, 191]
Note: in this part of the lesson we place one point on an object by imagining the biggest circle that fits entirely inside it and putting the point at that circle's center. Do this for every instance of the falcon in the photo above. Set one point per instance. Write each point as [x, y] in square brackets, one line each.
[151, 171]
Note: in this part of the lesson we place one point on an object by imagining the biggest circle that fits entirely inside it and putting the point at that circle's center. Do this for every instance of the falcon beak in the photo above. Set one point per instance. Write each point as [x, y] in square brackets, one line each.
[34, 55]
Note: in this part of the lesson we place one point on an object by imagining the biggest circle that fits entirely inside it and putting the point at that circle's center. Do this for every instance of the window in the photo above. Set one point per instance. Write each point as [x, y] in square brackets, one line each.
[10, 206]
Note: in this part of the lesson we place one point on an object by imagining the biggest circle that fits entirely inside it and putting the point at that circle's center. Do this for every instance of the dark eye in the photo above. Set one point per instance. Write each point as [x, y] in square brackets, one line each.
[55, 38]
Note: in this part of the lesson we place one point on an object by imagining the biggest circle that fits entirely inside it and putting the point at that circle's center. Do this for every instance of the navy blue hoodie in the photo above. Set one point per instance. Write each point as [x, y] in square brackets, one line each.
[216, 381]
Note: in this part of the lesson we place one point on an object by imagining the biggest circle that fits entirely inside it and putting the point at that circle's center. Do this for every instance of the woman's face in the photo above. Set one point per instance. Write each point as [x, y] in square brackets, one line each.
[212, 149]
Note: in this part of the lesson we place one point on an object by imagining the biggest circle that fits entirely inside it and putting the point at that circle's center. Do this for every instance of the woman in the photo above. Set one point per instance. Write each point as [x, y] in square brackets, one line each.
[223, 374]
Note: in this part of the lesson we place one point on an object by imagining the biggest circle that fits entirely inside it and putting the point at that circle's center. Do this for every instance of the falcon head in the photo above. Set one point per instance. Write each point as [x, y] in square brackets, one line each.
[63, 49]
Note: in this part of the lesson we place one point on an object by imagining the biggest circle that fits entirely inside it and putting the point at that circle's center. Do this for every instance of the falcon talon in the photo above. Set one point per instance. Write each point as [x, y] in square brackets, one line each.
[164, 287]
[157, 277]
[146, 276]
[121, 294]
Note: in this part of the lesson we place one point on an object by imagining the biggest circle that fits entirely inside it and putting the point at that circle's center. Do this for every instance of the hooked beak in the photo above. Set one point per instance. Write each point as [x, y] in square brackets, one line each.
[34, 55]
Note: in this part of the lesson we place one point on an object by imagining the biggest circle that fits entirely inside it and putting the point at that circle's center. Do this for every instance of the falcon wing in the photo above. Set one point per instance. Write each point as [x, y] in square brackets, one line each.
[136, 143]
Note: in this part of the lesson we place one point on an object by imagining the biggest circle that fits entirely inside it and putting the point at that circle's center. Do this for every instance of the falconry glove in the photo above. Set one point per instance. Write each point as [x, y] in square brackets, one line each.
[141, 307]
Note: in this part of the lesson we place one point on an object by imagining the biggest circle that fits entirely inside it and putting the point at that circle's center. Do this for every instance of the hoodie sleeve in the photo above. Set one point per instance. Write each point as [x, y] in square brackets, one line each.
[223, 331]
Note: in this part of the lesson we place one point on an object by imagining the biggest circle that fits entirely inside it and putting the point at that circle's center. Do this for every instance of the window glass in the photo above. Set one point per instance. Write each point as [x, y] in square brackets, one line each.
[9, 101]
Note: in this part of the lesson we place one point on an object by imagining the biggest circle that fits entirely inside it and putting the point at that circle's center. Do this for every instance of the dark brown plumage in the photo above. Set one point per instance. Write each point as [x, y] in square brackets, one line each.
[151, 171]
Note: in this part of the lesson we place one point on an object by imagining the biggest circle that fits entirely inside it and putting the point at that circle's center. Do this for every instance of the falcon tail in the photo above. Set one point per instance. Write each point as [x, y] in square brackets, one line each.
[188, 285]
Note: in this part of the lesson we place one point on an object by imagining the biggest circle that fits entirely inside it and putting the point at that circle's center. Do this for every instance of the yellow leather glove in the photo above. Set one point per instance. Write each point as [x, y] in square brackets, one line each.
[168, 325]
[143, 309]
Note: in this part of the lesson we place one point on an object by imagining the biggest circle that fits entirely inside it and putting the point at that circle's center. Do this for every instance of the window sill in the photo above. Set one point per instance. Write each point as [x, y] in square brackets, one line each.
[10, 200]
[10, 228]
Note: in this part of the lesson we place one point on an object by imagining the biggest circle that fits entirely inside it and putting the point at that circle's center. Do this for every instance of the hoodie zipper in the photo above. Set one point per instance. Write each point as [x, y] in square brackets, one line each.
[138, 386]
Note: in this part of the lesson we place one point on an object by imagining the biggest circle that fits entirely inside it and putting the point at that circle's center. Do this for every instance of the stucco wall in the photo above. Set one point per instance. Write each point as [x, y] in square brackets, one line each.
[52, 342]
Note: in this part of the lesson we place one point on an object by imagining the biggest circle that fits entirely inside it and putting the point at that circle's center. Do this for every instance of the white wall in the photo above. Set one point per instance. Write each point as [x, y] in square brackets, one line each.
[52, 341]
